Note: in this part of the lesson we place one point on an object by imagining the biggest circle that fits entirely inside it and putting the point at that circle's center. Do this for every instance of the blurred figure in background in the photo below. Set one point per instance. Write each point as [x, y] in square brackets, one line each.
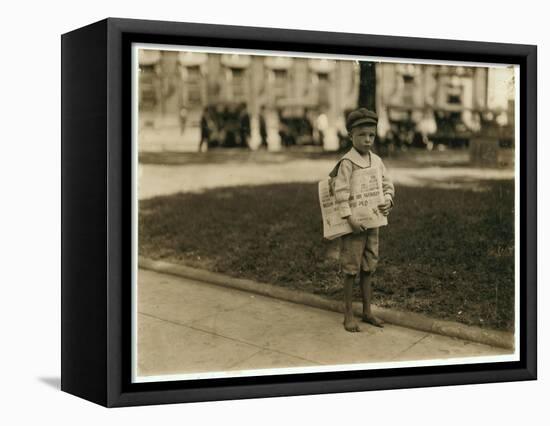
[263, 128]
[206, 126]
[244, 121]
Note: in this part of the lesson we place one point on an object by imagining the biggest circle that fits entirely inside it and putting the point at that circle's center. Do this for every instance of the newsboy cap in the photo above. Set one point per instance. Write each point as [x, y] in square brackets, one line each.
[361, 116]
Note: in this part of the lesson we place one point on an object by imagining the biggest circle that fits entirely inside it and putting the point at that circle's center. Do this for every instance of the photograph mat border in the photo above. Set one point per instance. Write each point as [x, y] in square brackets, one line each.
[135, 46]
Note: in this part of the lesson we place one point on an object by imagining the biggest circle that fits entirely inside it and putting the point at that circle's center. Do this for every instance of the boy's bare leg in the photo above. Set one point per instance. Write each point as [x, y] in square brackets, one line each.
[349, 321]
[366, 292]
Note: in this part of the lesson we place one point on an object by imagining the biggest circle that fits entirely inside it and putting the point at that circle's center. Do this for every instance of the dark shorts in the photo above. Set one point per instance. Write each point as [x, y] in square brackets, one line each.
[359, 252]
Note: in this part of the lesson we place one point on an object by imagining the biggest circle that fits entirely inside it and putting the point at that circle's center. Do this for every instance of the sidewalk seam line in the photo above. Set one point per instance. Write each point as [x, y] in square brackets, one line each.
[235, 364]
[410, 346]
[226, 337]
[223, 311]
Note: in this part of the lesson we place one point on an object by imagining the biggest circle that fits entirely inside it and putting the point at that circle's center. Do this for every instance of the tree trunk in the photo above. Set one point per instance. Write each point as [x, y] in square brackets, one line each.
[367, 85]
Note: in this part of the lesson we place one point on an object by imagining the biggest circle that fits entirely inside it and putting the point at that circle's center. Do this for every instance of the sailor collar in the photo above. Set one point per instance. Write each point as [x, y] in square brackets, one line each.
[356, 158]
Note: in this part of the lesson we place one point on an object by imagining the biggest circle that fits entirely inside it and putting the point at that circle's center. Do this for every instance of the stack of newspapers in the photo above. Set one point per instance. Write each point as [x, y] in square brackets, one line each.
[366, 195]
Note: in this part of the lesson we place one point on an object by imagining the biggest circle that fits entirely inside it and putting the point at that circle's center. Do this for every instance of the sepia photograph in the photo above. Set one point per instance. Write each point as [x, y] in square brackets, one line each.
[299, 212]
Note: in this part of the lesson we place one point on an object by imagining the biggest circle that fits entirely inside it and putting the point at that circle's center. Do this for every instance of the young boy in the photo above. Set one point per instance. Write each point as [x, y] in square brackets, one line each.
[359, 250]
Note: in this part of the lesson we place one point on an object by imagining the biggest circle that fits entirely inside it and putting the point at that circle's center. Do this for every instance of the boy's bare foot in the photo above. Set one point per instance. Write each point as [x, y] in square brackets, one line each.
[371, 319]
[351, 325]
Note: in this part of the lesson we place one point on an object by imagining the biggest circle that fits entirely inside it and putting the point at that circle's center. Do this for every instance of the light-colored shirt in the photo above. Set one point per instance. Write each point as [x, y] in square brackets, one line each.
[341, 178]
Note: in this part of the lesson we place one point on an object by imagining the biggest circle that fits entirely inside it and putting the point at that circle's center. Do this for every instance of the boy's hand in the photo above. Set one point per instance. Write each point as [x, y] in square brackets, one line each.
[355, 225]
[386, 207]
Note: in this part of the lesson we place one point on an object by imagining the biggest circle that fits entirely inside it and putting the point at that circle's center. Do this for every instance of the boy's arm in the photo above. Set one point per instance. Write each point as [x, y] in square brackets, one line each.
[342, 188]
[387, 185]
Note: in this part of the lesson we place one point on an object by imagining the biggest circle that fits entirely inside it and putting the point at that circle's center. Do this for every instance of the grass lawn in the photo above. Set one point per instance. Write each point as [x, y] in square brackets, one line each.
[446, 253]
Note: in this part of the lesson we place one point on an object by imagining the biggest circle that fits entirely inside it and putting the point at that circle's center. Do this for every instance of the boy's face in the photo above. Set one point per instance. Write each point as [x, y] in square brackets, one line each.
[363, 137]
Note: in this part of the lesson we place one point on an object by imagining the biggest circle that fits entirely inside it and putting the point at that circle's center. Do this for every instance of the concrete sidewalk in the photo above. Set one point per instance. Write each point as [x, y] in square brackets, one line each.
[187, 326]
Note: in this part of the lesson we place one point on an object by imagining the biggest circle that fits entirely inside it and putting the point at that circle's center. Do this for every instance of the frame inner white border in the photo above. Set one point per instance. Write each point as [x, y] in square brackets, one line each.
[338, 367]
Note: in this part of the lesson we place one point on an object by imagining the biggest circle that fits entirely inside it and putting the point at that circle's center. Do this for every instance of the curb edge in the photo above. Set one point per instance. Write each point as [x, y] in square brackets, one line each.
[412, 320]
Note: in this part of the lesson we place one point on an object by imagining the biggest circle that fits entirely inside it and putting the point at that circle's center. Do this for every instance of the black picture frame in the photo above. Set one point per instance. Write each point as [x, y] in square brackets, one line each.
[97, 203]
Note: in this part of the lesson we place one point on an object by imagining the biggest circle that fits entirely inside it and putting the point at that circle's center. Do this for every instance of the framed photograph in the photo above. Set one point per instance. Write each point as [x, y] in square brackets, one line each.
[254, 212]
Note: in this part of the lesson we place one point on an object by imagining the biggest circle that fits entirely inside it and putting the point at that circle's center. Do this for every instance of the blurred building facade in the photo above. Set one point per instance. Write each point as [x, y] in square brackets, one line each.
[443, 104]
[295, 101]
